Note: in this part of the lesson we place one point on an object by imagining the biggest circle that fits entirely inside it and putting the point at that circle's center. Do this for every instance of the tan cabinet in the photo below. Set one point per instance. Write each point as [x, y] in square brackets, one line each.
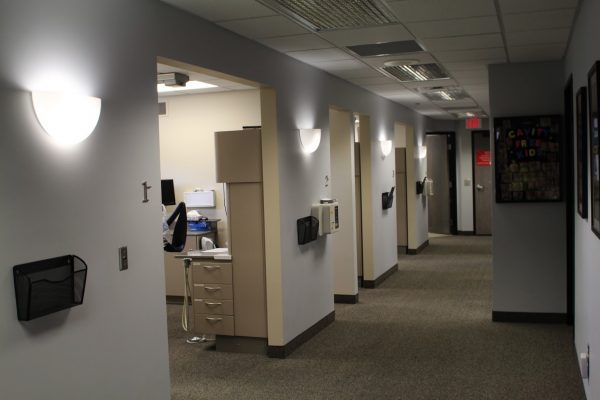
[213, 297]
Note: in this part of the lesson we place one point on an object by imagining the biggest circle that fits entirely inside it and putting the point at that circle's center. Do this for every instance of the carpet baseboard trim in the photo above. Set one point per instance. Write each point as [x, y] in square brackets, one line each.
[378, 281]
[414, 252]
[465, 233]
[287, 349]
[527, 317]
[345, 298]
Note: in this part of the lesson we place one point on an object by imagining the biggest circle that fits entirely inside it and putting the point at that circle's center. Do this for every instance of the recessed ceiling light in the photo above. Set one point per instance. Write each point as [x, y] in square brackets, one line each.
[416, 72]
[190, 85]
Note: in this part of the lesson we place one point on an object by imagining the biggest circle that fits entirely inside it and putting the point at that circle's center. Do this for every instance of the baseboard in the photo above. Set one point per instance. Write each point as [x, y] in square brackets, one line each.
[414, 252]
[345, 298]
[287, 349]
[241, 344]
[373, 284]
[543, 318]
[465, 233]
[402, 249]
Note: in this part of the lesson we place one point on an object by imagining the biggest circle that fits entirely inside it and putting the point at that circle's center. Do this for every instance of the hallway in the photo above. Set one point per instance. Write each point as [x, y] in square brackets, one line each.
[425, 333]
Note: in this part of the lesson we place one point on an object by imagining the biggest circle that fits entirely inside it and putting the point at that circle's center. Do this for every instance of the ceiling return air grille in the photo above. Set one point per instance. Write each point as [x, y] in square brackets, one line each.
[416, 72]
[448, 93]
[326, 15]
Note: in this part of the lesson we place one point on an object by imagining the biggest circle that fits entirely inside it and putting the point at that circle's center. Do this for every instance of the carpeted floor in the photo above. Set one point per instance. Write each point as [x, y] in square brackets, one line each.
[426, 333]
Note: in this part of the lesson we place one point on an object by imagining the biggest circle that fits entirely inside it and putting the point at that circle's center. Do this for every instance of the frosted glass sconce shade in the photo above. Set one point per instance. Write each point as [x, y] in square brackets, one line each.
[386, 147]
[310, 139]
[67, 118]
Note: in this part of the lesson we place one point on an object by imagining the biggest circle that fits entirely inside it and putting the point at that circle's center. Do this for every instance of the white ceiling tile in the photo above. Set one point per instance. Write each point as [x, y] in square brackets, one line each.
[338, 65]
[364, 72]
[313, 56]
[538, 20]
[455, 27]
[473, 80]
[431, 10]
[537, 53]
[405, 96]
[387, 88]
[219, 10]
[464, 42]
[257, 28]
[380, 80]
[471, 55]
[456, 103]
[521, 6]
[296, 43]
[545, 36]
[453, 67]
[350, 37]
[481, 73]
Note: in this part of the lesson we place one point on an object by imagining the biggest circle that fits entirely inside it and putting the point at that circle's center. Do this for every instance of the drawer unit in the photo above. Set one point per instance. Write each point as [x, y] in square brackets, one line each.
[212, 272]
[213, 291]
[214, 323]
[213, 306]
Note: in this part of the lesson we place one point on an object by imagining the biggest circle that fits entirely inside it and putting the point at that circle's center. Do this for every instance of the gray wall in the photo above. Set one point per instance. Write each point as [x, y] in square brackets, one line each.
[87, 200]
[582, 53]
[529, 239]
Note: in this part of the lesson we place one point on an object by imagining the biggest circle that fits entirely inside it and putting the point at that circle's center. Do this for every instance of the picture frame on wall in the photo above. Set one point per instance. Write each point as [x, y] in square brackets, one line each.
[581, 116]
[594, 143]
[528, 159]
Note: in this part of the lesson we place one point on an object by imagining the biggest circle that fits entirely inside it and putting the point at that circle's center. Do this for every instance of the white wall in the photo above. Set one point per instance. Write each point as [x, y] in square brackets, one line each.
[84, 200]
[187, 147]
[529, 239]
[87, 200]
[583, 51]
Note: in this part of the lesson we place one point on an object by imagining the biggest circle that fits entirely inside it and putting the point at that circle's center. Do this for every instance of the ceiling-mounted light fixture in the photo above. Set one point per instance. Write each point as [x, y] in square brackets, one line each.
[310, 139]
[67, 118]
[190, 85]
[386, 147]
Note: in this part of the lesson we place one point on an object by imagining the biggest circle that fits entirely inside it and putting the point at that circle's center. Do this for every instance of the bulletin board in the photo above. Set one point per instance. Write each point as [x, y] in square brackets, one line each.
[527, 159]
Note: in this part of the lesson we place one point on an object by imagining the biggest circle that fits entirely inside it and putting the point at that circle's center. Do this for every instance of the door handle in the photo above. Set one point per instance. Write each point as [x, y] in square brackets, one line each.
[479, 187]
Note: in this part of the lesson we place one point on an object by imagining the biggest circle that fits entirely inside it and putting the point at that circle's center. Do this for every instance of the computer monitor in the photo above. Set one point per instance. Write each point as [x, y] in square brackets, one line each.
[167, 191]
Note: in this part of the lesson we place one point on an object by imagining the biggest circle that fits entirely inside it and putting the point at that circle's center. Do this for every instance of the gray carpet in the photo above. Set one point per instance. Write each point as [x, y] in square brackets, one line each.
[426, 333]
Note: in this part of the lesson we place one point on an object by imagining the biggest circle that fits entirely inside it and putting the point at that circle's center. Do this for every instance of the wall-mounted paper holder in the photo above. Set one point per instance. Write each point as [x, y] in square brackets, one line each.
[421, 185]
[308, 229]
[47, 286]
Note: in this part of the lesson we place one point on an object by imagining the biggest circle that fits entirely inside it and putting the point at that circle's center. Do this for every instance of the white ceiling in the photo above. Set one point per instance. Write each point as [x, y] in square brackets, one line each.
[222, 85]
[464, 36]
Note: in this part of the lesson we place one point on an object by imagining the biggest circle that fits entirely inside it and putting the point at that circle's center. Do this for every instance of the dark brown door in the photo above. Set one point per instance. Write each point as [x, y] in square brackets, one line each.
[482, 182]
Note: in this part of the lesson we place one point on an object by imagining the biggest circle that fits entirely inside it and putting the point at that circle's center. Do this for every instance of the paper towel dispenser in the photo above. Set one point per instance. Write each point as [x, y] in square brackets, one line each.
[200, 199]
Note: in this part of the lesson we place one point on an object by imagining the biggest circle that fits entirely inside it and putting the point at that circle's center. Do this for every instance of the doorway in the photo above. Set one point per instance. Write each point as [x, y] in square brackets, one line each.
[441, 168]
[482, 178]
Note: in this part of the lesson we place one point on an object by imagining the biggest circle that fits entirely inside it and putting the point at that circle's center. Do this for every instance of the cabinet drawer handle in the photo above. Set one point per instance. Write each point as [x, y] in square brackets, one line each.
[211, 267]
[211, 289]
[214, 319]
[208, 303]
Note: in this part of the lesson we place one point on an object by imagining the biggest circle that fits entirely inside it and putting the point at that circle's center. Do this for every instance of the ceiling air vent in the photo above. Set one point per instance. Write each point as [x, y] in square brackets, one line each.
[447, 93]
[327, 15]
[416, 72]
[386, 49]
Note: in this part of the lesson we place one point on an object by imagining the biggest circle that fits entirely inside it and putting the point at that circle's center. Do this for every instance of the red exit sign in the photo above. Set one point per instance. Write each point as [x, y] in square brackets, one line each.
[473, 123]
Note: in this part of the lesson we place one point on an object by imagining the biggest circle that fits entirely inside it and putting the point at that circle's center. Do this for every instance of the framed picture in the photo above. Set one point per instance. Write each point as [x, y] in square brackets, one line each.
[527, 159]
[581, 163]
[594, 143]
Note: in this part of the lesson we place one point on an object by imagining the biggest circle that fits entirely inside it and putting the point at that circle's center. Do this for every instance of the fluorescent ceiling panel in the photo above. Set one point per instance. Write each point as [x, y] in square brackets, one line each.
[418, 72]
[446, 94]
[323, 15]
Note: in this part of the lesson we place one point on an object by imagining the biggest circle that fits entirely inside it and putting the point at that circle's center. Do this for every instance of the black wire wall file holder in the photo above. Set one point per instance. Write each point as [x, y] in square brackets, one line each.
[47, 286]
[308, 229]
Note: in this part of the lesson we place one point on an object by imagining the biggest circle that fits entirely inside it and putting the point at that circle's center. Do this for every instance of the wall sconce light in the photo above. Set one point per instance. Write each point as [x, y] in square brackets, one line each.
[310, 139]
[386, 147]
[67, 118]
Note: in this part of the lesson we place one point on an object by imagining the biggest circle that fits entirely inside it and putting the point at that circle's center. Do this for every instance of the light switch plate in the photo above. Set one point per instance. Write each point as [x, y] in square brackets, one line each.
[123, 260]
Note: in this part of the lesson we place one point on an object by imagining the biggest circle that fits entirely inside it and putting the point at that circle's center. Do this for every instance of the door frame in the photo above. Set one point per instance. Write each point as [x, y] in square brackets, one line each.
[473, 178]
[451, 140]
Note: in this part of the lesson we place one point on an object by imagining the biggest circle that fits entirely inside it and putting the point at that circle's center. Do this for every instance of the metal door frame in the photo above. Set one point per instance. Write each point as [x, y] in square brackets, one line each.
[451, 140]
[473, 178]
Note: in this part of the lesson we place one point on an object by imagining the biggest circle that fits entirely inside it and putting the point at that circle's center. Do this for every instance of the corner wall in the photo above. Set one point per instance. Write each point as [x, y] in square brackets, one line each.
[529, 239]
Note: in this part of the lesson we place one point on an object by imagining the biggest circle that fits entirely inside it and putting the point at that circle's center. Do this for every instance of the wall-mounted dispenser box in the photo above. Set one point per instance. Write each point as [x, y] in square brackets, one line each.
[200, 199]
[327, 213]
